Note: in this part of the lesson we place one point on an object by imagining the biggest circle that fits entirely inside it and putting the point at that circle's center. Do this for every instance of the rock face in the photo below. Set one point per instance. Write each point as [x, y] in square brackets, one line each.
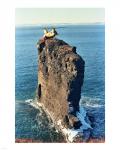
[60, 78]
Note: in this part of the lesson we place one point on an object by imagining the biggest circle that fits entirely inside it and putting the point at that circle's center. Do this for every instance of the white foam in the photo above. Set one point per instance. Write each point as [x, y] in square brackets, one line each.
[69, 133]
[82, 117]
[29, 100]
[32, 103]
[95, 105]
[91, 102]
[72, 133]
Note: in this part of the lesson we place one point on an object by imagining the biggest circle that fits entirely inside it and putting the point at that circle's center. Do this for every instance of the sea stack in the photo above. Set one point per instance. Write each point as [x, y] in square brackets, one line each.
[60, 78]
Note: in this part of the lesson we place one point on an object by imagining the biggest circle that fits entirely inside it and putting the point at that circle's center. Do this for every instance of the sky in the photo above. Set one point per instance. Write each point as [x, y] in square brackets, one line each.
[34, 16]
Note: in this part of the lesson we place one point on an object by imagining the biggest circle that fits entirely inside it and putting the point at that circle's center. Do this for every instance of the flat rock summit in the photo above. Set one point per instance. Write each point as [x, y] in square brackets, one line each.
[60, 78]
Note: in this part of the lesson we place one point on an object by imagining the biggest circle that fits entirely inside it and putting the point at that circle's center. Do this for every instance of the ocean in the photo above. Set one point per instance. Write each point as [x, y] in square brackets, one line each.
[31, 122]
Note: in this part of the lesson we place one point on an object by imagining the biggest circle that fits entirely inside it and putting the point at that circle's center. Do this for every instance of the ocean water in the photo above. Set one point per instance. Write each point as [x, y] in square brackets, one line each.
[32, 123]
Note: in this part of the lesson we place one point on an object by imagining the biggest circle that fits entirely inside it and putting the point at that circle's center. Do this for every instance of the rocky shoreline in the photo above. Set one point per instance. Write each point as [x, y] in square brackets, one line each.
[69, 135]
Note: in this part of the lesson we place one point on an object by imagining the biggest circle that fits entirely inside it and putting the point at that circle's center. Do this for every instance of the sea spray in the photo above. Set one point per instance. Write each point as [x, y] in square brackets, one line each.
[70, 134]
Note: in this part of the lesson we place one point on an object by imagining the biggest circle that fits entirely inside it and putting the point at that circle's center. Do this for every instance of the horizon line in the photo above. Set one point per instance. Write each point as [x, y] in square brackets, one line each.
[49, 24]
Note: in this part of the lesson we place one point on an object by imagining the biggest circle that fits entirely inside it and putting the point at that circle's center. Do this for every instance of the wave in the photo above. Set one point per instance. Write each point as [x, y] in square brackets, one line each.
[70, 133]
[86, 102]
[33, 103]
[91, 102]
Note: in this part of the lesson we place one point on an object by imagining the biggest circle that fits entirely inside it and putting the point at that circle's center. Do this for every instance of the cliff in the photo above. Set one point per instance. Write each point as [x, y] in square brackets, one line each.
[60, 78]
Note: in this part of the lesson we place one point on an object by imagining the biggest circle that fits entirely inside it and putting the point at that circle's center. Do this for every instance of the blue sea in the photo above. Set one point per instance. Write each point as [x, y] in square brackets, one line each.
[31, 122]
